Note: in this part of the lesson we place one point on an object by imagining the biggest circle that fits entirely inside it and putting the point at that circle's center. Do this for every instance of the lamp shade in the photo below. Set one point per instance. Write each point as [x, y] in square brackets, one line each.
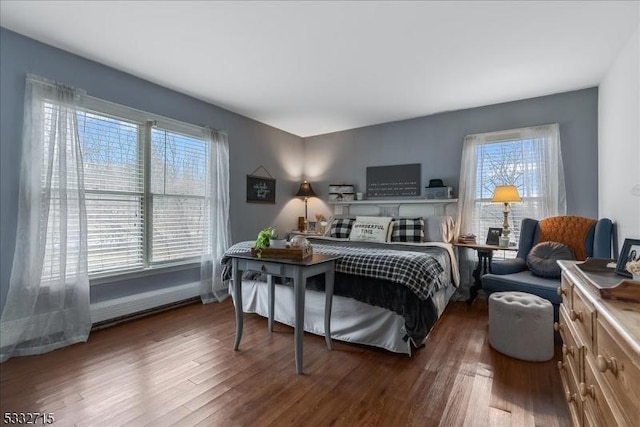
[506, 194]
[305, 190]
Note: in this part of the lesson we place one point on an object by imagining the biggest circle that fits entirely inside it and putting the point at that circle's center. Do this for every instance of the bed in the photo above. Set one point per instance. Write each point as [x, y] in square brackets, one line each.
[387, 294]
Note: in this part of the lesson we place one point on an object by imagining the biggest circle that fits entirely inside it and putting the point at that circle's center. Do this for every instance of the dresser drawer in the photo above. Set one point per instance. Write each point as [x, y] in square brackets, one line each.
[572, 347]
[599, 404]
[566, 291]
[618, 370]
[582, 316]
[571, 393]
[265, 267]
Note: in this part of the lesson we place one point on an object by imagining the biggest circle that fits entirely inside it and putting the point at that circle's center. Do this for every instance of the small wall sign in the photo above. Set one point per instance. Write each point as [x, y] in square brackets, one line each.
[261, 189]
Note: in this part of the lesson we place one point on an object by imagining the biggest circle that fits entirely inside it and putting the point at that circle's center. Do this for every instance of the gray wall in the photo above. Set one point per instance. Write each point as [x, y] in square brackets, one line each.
[251, 144]
[436, 142]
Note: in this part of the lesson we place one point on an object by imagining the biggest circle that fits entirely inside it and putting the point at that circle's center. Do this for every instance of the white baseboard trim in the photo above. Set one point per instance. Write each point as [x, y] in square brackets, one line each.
[131, 304]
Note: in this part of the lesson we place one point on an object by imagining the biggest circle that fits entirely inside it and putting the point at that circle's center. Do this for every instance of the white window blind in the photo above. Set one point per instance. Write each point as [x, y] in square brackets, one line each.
[114, 186]
[516, 162]
[178, 180]
[528, 158]
[144, 188]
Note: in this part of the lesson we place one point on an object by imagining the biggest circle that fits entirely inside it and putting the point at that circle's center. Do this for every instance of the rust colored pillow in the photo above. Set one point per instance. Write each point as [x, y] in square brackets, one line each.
[568, 229]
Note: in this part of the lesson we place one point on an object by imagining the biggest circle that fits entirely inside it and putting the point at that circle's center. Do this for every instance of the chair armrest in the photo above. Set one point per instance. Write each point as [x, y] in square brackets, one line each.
[508, 266]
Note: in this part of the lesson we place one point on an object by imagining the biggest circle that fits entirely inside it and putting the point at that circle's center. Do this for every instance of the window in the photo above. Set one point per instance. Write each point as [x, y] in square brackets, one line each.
[528, 158]
[144, 187]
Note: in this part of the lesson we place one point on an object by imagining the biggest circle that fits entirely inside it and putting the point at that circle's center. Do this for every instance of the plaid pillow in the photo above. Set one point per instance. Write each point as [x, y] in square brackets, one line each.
[341, 227]
[407, 230]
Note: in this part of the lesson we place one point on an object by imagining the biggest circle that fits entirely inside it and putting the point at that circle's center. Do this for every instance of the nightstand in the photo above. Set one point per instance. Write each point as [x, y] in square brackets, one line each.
[485, 255]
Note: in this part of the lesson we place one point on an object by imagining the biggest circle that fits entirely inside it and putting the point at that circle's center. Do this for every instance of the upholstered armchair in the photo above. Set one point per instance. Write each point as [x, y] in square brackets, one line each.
[584, 237]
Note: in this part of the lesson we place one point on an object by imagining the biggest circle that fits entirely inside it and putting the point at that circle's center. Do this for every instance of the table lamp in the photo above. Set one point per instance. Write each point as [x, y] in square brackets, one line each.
[305, 192]
[505, 194]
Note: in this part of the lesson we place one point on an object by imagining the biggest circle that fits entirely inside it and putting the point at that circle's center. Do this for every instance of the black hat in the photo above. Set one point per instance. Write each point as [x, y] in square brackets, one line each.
[435, 183]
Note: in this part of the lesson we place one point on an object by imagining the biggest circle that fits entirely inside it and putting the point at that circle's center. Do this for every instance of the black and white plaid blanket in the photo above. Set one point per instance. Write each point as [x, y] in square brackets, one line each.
[417, 268]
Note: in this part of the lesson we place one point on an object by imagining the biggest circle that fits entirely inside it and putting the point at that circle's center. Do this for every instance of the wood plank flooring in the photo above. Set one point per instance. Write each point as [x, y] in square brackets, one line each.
[178, 368]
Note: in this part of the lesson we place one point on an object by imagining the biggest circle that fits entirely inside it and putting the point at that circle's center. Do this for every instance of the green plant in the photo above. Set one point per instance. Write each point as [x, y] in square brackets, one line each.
[263, 239]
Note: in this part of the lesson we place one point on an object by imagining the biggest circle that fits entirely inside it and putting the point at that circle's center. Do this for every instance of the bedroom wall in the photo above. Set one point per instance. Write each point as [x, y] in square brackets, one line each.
[251, 144]
[619, 141]
[436, 142]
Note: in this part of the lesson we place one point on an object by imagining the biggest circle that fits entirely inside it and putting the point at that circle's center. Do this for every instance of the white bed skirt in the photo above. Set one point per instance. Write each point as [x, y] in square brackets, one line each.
[351, 320]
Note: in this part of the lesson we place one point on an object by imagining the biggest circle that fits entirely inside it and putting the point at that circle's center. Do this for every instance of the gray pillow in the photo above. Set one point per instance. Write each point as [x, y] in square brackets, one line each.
[543, 256]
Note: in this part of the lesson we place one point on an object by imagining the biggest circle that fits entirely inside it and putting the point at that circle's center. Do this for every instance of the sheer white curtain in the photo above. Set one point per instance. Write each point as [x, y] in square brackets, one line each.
[529, 158]
[217, 230]
[47, 305]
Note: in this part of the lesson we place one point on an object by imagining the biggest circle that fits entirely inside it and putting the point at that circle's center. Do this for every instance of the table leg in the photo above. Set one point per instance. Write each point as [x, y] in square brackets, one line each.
[329, 277]
[484, 263]
[490, 256]
[298, 290]
[271, 298]
[236, 276]
[473, 291]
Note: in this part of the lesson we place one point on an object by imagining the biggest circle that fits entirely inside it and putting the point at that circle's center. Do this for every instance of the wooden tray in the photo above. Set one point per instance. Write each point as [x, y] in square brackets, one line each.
[608, 284]
[626, 290]
[283, 253]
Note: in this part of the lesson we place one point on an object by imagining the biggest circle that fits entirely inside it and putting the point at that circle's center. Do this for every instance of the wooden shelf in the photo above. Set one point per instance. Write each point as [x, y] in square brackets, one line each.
[394, 202]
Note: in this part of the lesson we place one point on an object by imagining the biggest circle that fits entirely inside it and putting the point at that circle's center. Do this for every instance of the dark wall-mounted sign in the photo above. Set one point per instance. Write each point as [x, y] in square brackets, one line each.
[261, 189]
[394, 181]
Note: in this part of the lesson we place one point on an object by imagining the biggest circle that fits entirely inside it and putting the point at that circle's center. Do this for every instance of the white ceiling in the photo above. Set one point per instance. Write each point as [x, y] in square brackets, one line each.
[317, 67]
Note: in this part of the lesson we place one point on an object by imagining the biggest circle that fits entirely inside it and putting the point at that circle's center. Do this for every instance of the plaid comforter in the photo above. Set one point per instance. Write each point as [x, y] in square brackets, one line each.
[417, 268]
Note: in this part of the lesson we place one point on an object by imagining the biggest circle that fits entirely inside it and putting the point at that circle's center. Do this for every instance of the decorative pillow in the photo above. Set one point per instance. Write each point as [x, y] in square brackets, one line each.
[370, 229]
[407, 230]
[439, 229]
[341, 227]
[543, 256]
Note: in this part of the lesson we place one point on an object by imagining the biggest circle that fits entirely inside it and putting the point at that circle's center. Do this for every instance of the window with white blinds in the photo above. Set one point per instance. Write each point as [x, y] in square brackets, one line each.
[178, 167]
[527, 158]
[112, 152]
[145, 188]
[518, 163]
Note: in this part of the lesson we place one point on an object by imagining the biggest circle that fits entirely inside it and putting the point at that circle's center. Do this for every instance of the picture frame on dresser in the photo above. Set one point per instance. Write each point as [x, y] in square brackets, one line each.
[630, 252]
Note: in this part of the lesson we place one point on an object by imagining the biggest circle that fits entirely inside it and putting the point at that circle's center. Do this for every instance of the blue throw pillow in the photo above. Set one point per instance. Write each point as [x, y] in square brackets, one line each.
[543, 256]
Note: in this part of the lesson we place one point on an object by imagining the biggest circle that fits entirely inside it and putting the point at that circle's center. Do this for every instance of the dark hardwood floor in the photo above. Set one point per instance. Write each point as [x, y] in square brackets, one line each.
[178, 368]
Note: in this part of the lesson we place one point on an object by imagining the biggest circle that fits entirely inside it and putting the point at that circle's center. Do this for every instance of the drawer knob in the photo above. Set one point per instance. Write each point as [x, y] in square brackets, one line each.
[571, 397]
[610, 364]
[561, 291]
[561, 365]
[575, 315]
[568, 350]
[263, 268]
[587, 390]
[558, 327]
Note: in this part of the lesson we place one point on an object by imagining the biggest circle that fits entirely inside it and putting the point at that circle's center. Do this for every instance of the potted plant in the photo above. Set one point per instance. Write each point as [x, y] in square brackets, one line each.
[262, 241]
[275, 241]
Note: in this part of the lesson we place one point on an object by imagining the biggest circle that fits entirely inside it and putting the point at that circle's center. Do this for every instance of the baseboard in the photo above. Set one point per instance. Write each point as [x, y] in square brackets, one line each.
[132, 304]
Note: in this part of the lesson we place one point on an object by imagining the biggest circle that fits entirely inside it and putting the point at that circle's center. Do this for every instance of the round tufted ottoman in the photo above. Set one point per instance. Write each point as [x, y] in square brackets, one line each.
[521, 325]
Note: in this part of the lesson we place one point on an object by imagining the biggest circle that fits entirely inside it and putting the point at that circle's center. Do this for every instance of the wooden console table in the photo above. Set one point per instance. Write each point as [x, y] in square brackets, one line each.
[299, 271]
[600, 367]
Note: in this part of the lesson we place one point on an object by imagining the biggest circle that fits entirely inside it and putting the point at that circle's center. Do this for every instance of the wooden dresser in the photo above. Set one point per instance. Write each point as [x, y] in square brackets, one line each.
[600, 366]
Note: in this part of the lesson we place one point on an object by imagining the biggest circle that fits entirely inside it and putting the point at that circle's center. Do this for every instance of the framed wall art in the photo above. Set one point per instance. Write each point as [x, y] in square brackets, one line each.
[261, 189]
